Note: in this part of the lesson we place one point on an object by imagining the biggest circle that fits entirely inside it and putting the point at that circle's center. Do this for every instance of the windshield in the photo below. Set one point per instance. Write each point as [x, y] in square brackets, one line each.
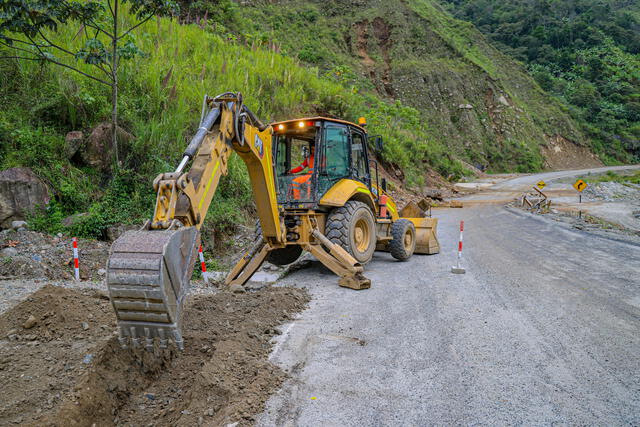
[295, 158]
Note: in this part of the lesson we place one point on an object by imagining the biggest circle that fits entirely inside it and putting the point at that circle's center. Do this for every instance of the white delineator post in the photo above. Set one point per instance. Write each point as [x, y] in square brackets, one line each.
[203, 266]
[457, 269]
[76, 261]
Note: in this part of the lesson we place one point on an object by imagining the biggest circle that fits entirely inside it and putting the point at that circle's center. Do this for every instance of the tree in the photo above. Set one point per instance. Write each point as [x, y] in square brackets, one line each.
[27, 28]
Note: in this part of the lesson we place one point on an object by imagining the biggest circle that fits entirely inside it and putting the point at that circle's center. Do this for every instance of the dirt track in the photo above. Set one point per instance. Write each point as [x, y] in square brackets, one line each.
[63, 372]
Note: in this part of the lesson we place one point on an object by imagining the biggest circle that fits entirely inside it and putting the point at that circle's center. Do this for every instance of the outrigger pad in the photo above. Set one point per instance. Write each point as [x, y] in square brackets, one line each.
[357, 282]
[148, 276]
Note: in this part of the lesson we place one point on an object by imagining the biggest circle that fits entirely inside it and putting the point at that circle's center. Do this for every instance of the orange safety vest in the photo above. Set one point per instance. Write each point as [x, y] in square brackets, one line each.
[308, 162]
[299, 181]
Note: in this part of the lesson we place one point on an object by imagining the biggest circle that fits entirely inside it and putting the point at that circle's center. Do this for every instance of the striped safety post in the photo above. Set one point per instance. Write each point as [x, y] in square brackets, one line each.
[457, 269]
[203, 266]
[76, 261]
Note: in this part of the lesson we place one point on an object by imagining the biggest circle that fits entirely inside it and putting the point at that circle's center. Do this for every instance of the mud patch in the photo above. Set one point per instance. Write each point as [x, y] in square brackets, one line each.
[67, 369]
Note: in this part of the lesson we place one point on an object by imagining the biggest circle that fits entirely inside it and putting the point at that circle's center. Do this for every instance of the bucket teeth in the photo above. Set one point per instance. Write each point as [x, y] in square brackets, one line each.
[148, 276]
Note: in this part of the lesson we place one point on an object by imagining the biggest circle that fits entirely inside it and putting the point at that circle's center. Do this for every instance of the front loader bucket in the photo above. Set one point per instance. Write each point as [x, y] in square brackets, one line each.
[426, 237]
[148, 276]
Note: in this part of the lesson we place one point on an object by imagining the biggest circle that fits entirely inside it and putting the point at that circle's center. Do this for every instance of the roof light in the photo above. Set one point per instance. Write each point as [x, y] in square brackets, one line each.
[280, 127]
[300, 124]
[362, 121]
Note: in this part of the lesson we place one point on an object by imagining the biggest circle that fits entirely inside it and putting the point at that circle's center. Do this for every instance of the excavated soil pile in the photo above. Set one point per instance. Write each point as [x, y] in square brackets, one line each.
[61, 365]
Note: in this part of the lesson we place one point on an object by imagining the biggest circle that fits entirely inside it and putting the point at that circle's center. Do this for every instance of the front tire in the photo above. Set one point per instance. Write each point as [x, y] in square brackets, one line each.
[353, 227]
[403, 243]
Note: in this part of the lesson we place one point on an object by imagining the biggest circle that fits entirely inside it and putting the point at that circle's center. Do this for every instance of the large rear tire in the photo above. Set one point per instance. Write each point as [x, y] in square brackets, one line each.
[353, 227]
[403, 243]
[283, 256]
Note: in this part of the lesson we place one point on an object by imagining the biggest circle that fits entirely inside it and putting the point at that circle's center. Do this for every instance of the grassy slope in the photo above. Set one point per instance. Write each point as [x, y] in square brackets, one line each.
[160, 105]
[434, 63]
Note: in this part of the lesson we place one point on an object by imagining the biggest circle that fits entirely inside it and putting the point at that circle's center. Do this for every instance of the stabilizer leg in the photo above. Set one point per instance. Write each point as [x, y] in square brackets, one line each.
[340, 262]
[248, 264]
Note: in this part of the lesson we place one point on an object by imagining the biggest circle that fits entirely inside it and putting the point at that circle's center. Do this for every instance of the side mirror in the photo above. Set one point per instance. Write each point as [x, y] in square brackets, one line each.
[378, 144]
[384, 184]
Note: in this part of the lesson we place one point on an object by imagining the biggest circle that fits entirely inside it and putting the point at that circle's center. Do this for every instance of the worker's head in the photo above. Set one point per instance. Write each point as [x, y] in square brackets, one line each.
[308, 151]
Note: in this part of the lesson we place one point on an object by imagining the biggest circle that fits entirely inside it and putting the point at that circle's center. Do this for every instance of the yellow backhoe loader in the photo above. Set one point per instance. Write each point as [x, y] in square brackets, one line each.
[314, 191]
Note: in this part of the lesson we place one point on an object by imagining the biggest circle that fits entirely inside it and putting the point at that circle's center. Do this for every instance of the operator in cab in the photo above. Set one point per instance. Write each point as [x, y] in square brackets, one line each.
[302, 183]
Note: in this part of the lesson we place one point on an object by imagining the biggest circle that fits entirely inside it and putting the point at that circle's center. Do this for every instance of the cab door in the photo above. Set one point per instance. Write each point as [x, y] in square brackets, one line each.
[359, 162]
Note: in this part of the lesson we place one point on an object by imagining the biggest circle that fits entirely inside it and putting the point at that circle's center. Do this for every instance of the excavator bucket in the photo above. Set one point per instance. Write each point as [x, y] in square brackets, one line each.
[148, 276]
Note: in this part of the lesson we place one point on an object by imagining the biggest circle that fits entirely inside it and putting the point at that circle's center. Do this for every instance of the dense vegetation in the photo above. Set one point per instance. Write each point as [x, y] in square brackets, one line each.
[586, 52]
[160, 102]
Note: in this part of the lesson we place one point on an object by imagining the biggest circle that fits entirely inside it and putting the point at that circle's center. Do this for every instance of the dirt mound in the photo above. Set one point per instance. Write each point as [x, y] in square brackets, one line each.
[63, 372]
[39, 255]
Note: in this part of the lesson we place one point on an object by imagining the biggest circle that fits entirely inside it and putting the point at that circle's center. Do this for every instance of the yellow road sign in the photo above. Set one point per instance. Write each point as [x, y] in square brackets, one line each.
[541, 184]
[580, 185]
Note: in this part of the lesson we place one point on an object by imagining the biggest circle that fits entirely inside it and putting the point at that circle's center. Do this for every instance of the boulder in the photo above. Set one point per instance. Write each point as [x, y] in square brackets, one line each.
[98, 149]
[116, 231]
[502, 100]
[9, 252]
[21, 192]
[434, 193]
[74, 219]
[19, 224]
[73, 141]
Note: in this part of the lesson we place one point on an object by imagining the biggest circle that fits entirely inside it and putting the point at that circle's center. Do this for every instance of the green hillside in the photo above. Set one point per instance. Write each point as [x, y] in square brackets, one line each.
[585, 52]
[480, 103]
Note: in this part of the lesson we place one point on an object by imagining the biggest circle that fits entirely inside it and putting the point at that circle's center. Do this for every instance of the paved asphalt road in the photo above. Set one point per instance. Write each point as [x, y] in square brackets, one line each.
[543, 329]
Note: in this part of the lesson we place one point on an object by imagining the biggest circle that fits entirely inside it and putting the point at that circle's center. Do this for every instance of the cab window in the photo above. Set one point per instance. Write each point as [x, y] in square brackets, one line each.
[358, 157]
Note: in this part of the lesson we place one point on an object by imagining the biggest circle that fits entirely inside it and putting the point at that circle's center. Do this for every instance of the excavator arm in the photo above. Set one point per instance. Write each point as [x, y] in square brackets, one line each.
[149, 270]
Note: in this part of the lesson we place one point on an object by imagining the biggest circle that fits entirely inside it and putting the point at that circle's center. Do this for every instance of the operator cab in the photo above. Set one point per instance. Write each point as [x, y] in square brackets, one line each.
[311, 155]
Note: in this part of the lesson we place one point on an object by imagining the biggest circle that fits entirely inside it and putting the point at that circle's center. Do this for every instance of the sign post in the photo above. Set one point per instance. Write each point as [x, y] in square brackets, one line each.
[580, 186]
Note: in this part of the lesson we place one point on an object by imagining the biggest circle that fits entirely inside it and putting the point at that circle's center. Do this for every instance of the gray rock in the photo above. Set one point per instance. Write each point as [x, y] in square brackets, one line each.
[502, 100]
[74, 219]
[85, 325]
[18, 224]
[102, 272]
[465, 107]
[21, 192]
[434, 193]
[30, 322]
[237, 289]
[87, 359]
[98, 150]
[118, 230]
[9, 252]
[73, 141]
